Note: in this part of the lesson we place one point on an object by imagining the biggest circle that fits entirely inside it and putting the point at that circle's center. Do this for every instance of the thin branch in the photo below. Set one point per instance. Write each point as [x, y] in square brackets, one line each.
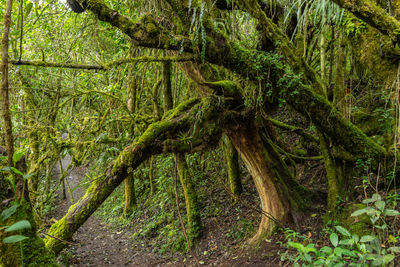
[59, 239]
[41, 63]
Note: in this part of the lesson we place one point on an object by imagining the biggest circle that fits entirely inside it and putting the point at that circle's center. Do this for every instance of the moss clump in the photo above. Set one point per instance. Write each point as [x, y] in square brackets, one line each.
[356, 225]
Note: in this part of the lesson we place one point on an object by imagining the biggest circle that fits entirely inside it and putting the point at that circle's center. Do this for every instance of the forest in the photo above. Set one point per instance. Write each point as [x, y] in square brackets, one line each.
[200, 132]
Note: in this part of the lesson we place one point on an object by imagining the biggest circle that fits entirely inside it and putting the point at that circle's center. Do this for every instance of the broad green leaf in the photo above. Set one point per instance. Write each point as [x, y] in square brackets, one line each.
[334, 239]
[356, 238]
[21, 225]
[326, 250]
[391, 212]
[387, 258]
[28, 8]
[375, 197]
[338, 251]
[297, 246]
[380, 204]
[14, 239]
[307, 257]
[367, 238]
[377, 261]
[16, 171]
[347, 242]
[394, 249]
[343, 231]
[8, 212]
[17, 156]
[359, 212]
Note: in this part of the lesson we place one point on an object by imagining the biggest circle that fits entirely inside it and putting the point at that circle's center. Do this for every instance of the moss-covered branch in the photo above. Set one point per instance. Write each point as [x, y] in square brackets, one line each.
[256, 66]
[106, 66]
[160, 137]
[371, 13]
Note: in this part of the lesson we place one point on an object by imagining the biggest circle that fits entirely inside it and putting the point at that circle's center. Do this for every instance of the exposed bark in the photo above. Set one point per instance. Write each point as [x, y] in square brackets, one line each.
[280, 194]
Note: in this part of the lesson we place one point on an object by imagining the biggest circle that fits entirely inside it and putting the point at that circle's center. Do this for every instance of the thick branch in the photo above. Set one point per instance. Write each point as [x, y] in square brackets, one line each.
[370, 12]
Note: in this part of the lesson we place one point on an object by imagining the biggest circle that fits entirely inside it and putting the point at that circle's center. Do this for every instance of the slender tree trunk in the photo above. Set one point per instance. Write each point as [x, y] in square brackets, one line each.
[130, 195]
[33, 135]
[129, 183]
[151, 178]
[4, 85]
[232, 162]
[191, 200]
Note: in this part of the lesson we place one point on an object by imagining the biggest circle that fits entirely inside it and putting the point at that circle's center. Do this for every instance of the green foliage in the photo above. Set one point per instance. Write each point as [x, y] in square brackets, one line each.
[345, 248]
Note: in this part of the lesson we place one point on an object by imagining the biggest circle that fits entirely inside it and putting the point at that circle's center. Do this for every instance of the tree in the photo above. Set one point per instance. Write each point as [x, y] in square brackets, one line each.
[240, 84]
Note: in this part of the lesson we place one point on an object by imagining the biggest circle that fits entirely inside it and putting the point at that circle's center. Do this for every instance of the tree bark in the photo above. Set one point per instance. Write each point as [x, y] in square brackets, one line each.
[280, 194]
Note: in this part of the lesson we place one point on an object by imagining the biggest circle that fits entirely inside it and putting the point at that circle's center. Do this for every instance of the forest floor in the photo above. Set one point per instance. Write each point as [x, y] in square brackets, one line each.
[102, 244]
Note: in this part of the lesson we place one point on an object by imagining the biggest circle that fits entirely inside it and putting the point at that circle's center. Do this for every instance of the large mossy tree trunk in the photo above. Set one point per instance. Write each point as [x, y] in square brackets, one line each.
[280, 194]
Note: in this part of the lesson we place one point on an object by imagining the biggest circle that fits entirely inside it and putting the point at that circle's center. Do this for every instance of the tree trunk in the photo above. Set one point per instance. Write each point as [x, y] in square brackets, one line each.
[279, 192]
[191, 200]
[129, 183]
[4, 85]
[232, 162]
[130, 195]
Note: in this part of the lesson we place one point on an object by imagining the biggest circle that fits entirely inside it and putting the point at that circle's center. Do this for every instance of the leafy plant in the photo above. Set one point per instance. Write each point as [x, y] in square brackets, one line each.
[346, 249]
[16, 227]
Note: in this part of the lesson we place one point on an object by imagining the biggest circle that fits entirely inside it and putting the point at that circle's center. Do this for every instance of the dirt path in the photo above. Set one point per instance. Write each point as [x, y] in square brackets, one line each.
[98, 244]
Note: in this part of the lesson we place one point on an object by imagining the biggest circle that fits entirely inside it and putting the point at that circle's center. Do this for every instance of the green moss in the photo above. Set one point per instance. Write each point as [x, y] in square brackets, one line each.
[191, 199]
[184, 106]
[356, 225]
